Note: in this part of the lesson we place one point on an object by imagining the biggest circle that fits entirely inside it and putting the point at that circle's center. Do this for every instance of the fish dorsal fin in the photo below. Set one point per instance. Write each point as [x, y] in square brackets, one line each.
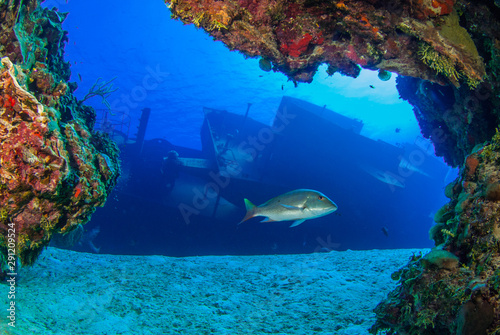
[291, 207]
[297, 222]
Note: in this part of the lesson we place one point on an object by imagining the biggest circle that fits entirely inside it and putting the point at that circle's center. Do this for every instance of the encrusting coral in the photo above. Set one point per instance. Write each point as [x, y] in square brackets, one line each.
[438, 293]
[54, 170]
[297, 36]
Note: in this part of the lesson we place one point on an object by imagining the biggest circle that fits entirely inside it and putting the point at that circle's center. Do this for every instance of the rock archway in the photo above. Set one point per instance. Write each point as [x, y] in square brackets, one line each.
[447, 53]
[55, 169]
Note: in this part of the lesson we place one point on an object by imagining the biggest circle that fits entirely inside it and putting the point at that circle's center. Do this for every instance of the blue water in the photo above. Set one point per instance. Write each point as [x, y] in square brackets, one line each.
[128, 41]
[176, 70]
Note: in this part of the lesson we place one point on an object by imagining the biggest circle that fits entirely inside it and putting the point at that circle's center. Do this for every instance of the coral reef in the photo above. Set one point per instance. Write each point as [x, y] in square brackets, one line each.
[414, 38]
[455, 288]
[457, 119]
[54, 170]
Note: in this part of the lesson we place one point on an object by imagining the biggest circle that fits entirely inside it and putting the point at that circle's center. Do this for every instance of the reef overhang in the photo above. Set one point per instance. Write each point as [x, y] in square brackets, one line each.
[438, 43]
[413, 38]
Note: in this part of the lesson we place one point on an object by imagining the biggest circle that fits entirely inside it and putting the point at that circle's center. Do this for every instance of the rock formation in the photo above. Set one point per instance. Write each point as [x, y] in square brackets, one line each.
[54, 169]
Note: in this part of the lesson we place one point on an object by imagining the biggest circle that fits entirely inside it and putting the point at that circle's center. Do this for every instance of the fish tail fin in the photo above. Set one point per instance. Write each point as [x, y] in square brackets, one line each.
[250, 210]
[249, 206]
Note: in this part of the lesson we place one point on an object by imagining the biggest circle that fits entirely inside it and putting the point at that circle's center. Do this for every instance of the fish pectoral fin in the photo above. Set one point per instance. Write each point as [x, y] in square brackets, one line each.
[297, 222]
[268, 220]
[291, 207]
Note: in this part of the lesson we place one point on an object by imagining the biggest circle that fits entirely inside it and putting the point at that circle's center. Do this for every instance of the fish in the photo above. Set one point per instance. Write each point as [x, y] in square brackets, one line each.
[385, 177]
[87, 240]
[405, 164]
[385, 231]
[297, 206]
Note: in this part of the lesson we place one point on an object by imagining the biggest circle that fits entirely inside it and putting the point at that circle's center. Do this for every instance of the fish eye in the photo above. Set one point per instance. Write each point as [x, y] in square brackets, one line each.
[320, 197]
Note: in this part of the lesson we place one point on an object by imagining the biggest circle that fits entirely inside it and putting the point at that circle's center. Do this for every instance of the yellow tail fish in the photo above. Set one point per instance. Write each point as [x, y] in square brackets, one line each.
[296, 206]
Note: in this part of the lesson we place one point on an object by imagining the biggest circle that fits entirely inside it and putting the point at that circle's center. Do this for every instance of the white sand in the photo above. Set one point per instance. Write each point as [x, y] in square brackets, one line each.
[322, 293]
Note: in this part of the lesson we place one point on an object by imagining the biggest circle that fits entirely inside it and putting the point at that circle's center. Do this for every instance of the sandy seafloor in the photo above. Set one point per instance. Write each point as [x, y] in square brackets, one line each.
[322, 293]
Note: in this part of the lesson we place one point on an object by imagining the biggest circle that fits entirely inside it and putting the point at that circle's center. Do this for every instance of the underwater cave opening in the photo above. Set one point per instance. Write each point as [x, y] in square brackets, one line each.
[176, 71]
[226, 132]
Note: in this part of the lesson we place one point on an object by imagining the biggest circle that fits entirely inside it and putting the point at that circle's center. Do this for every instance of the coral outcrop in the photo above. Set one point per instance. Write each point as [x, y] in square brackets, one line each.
[455, 288]
[454, 119]
[457, 119]
[54, 170]
[413, 38]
